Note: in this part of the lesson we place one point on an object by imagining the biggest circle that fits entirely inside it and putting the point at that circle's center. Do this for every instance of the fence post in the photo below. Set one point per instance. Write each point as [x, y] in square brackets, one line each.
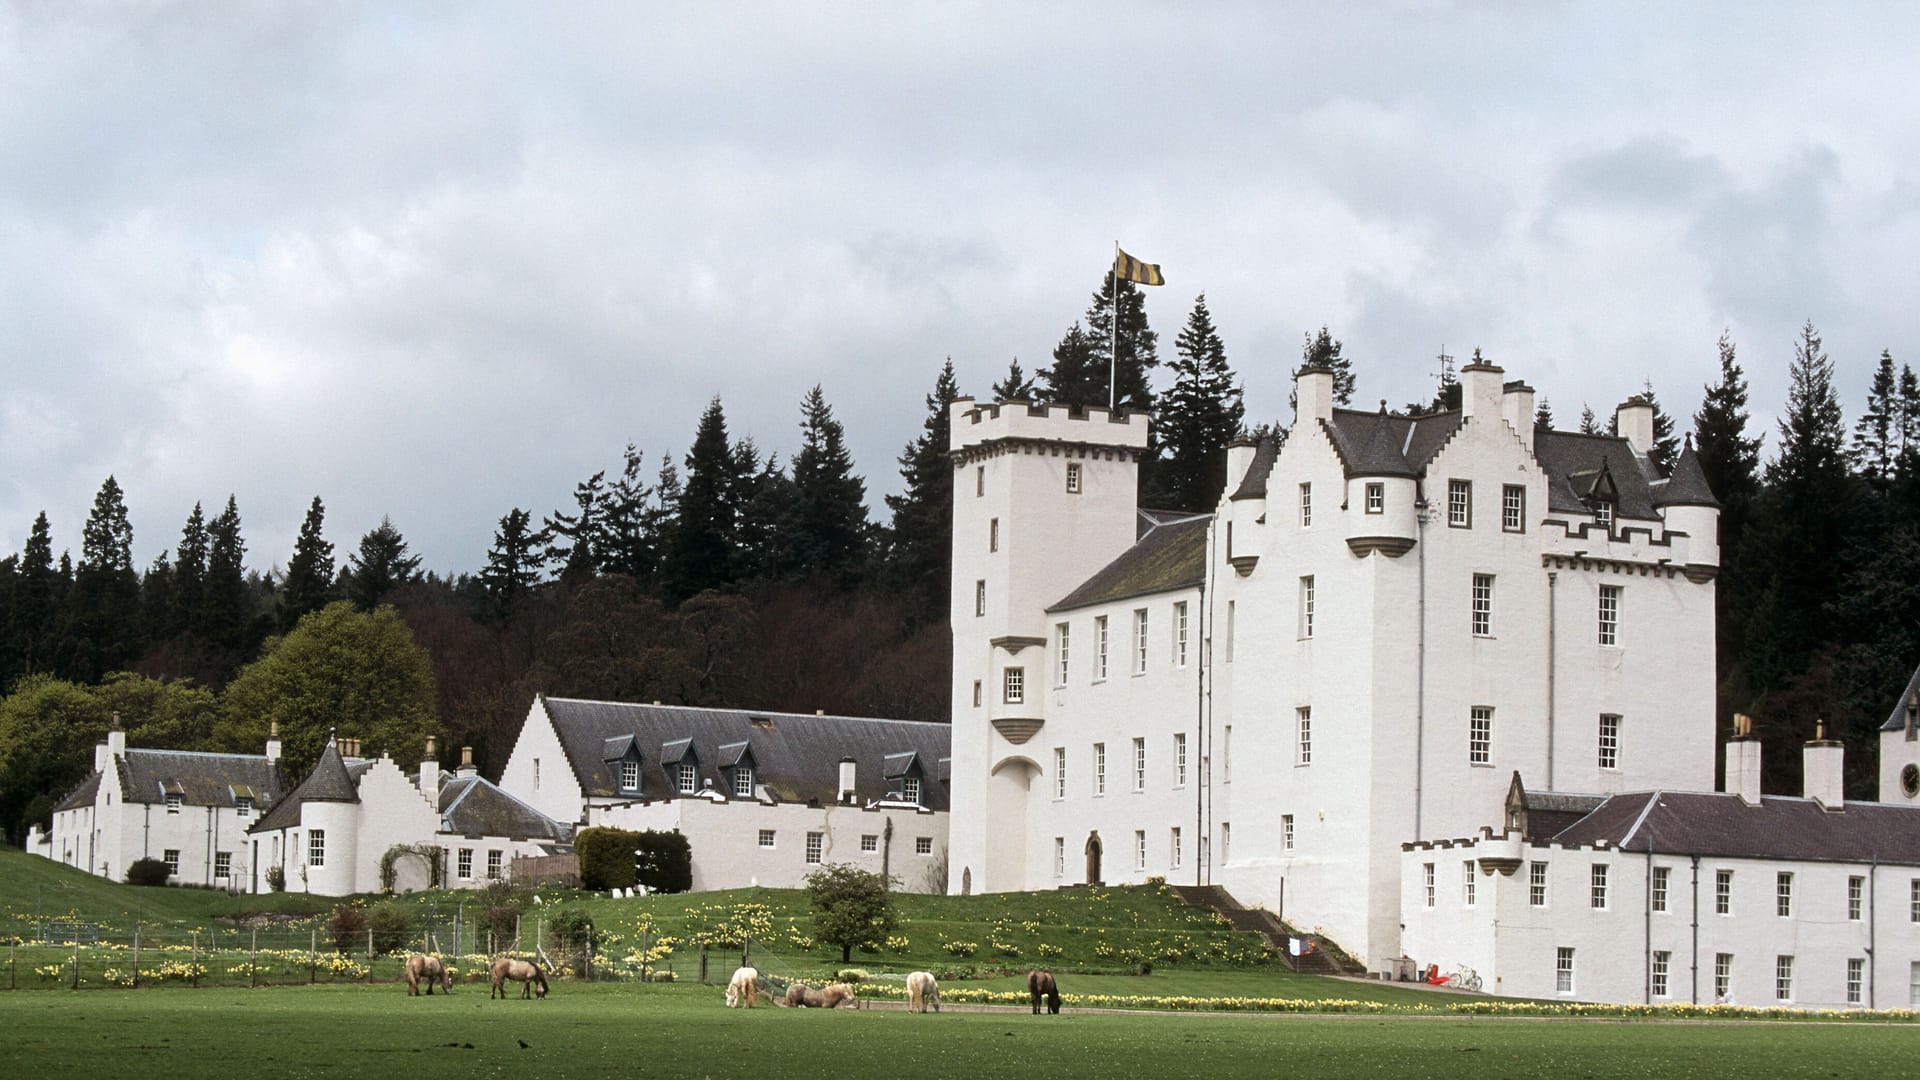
[136, 956]
[588, 962]
[194, 971]
[646, 938]
[313, 957]
[253, 960]
[703, 963]
[746, 949]
[458, 917]
[76, 960]
[13, 966]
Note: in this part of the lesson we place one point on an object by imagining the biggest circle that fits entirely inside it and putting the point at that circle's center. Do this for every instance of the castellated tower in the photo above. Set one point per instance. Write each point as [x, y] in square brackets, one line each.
[1042, 498]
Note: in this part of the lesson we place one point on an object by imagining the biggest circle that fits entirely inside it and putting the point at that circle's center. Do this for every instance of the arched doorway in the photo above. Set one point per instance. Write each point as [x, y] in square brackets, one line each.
[1093, 857]
[966, 881]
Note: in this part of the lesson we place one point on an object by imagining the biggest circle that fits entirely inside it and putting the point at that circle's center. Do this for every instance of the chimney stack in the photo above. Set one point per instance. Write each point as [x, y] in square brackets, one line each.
[1481, 389]
[1240, 453]
[1312, 395]
[430, 772]
[1516, 404]
[467, 767]
[847, 791]
[273, 741]
[1743, 761]
[1823, 763]
[1633, 419]
[116, 739]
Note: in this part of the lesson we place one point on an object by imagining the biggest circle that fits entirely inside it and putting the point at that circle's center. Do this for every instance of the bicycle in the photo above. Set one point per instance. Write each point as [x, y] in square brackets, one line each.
[1465, 979]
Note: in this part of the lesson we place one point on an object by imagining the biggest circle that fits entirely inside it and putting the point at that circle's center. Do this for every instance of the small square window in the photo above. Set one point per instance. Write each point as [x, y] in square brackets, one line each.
[869, 842]
[1376, 498]
[243, 806]
[815, 845]
[222, 865]
[1513, 508]
[1073, 478]
[1015, 685]
[766, 838]
[173, 862]
[1460, 504]
[923, 845]
[173, 803]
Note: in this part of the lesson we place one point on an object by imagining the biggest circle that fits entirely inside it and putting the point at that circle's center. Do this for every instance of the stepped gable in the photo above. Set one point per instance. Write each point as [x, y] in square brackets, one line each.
[796, 756]
[1575, 463]
[1370, 444]
[1724, 825]
[330, 781]
[1688, 484]
[1254, 484]
[1167, 556]
[1897, 721]
[81, 796]
[1427, 433]
[474, 806]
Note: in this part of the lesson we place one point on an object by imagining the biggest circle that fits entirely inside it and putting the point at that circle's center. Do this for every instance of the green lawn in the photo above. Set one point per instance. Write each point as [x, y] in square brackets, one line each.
[685, 1032]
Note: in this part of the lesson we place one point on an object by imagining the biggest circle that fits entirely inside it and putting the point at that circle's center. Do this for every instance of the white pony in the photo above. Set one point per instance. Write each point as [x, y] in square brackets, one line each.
[922, 991]
[743, 989]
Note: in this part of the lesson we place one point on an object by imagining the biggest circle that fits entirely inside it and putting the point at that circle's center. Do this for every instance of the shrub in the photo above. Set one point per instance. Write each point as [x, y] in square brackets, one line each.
[348, 925]
[606, 857]
[392, 925]
[147, 872]
[276, 879]
[666, 861]
[569, 930]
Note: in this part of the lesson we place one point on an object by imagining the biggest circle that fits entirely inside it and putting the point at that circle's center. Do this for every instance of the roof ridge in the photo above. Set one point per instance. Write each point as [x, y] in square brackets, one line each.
[1653, 799]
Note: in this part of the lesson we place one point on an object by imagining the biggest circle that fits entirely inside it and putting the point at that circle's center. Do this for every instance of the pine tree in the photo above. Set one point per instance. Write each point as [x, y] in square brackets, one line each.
[1322, 350]
[514, 564]
[624, 545]
[1078, 377]
[380, 566]
[1199, 415]
[104, 606]
[1543, 416]
[1588, 425]
[1666, 445]
[33, 615]
[1876, 437]
[770, 524]
[833, 511]
[571, 537]
[1133, 353]
[1909, 413]
[226, 607]
[190, 576]
[705, 539]
[1730, 460]
[310, 573]
[920, 540]
[663, 512]
[1015, 387]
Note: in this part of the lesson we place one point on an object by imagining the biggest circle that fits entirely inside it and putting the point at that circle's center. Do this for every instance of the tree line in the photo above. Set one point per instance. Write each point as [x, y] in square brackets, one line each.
[731, 577]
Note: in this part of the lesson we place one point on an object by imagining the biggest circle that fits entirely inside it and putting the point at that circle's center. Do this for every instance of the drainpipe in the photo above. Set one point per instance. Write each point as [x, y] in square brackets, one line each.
[1647, 958]
[1873, 927]
[1420, 672]
[1694, 992]
[1552, 599]
[1202, 820]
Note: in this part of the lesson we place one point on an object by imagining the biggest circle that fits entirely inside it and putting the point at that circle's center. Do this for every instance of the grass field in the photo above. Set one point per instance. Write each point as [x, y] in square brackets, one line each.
[684, 1032]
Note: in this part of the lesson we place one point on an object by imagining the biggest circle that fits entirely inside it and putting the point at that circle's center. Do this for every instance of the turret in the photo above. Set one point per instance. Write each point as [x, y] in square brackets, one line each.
[1688, 506]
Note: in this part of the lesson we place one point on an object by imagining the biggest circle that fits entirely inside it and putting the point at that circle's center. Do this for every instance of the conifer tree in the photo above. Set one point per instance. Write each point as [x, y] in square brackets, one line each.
[104, 606]
[513, 564]
[571, 537]
[1588, 425]
[1666, 445]
[226, 607]
[1078, 376]
[1728, 457]
[190, 576]
[1876, 436]
[770, 524]
[1015, 387]
[624, 544]
[1199, 415]
[833, 511]
[1322, 350]
[920, 540]
[663, 510]
[34, 611]
[1133, 353]
[310, 572]
[1909, 415]
[705, 540]
[379, 566]
[1543, 416]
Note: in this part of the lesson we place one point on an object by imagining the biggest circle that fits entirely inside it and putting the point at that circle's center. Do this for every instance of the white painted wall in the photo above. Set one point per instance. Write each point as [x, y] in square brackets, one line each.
[724, 838]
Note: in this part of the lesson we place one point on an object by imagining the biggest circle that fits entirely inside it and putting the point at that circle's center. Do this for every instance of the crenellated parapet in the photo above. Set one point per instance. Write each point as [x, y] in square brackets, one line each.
[979, 430]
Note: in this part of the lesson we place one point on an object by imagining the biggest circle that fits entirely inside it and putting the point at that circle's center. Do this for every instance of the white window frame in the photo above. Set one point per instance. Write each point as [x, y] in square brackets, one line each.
[869, 842]
[1599, 880]
[1856, 893]
[1783, 977]
[316, 847]
[1603, 514]
[243, 806]
[465, 864]
[1662, 880]
[1226, 841]
[1483, 605]
[1139, 764]
[1306, 505]
[1303, 735]
[1059, 856]
[1913, 901]
[1376, 498]
[1099, 648]
[1480, 735]
[766, 838]
[1563, 970]
[629, 775]
[1286, 833]
[1609, 746]
[1062, 652]
[923, 845]
[173, 801]
[1173, 840]
[1856, 978]
[1723, 892]
[1059, 772]
[1307, 604]
[1661, 961]
[1469, 888]
[1460, 504]
[1139, 641]
[222, 865]
[1013, 684]
[1074, 480]
[1609, 615]
[1179, 759]
[1722, 976]
[1513, 508]
[686, 778]
[743, 781]
[1180, 633]
[171, 856]
[1099, 768]
[496, 862]
[815, 849]
[1783, 894]
[1427, 878]
[1537, 885]
[1139, 849]
[910, 789]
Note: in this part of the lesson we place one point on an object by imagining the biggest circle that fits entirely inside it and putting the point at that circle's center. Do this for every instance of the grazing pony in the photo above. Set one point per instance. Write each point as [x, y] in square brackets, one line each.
[1040, 984]
[519, 971]
[922, 991]
[431, 970]
[802, 996]
[743, 989]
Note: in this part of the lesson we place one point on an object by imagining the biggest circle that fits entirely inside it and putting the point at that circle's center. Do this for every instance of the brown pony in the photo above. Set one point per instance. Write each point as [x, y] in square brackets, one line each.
[922, 991]
[1040, 984]
[519, 971]
[802, 996]
[429, 968]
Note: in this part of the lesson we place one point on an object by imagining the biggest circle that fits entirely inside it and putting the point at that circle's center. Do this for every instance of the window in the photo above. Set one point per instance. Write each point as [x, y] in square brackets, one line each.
[1376, 498]
[1226, 754]
[1303, 749]
[316, 847]
[1537, 884]
[869, 842]
[1139, 849]
[466, 864]
[1722, 975]
[1661, 876]
[629, 776]
[1513, 508]
[1603, 514]
[979, 599]
[1306, 506]
[1229, 648]
[1856, 975]
[976, 693]
[1286, 833]
[923, 845]
[1180, 634]
[1062, 654]
[1599, 886]
[742, 782]
[1139, 764]
[1563, 971]
[1480, 736]
[536, 774]
[1609, 741]
[1783, 978]
[1660, 962]
[688, 777]
[1099, 647]
[222, 864]
[1306, 606]
[243, 806]
[1460, 504]
[1226, 838]
[1467, 884]
[1059, 772]
[1099, 768]
[1723, 892]
[1783, 895]
[1609, 614]
[993, 535]
[766, 838]
[173, 862]
[1913, 983]
[1426, 876]
[173, 803]
[1913, 901]
[979, 480]
[1173, 840]
[493, 864]
[814, 844]
[1059, 856]
[1179, 759]
[1140, 641]
[910, 789]
[1016, 685]
[1855, 887]
[1483, 605]
[1073, 478]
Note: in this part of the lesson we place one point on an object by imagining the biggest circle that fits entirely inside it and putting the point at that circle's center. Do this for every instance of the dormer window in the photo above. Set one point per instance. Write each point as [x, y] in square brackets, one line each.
[910, 789]
[629, 776]
[173, 803]
[743, 782]
[243, 806]
[688, 778]
[1603, 513]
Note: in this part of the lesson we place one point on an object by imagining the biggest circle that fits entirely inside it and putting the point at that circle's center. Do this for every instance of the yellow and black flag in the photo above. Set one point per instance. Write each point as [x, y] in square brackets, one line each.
[1128, 268]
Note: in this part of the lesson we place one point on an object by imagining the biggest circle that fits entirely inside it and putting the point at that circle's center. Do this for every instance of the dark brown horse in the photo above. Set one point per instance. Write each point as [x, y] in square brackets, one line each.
[428, 969]
[519, 971]
[1040, 984]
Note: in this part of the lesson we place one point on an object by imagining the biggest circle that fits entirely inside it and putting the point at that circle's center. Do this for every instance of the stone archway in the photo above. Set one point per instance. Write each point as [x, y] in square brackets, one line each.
[1093, 857]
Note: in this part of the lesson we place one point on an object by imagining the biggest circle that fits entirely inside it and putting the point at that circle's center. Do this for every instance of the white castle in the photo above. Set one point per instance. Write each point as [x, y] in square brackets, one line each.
[1393, 634]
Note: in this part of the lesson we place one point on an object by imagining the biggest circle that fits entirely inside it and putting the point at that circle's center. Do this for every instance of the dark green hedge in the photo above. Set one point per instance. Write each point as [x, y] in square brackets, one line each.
[608, 857]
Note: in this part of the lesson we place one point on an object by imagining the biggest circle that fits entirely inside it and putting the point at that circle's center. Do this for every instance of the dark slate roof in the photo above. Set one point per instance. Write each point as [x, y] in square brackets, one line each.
[1551, 812]
[145, 776]
[796, 755]
[1574, 462]
[1168, 557]
[1897, 720]
[474, 806]
[1254, 484]
[1720, 824]
[1688, 484]
[1370, 444]
[81, 796]
[330, 781]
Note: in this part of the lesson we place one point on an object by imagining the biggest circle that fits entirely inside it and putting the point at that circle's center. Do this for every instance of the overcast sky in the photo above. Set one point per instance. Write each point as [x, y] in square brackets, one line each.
[438, 261]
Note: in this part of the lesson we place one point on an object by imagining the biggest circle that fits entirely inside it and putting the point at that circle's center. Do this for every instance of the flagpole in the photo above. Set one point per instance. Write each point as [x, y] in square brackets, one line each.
[1113, 357]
